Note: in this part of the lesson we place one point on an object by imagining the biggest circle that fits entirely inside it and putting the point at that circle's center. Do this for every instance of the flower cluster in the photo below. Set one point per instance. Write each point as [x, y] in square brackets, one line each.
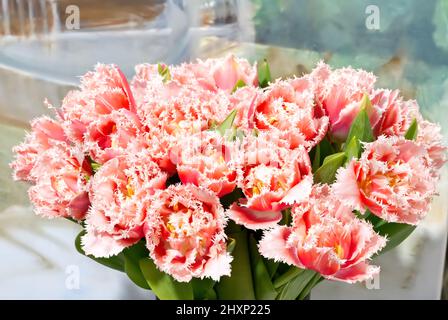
[157, 159]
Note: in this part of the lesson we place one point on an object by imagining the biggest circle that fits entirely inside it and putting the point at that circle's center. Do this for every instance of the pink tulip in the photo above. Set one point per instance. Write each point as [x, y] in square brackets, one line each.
[61, 175]
[272, 178]
[205, 160]
[339, 94]
[175, 108]
[210, 75]
[245, 100]
[121, 192]
[227, 72]
[396, 115]
[102, 91]
[45, 133]
[288, 108]
[325, 237]
[391, 179]
[185, 233]
[109, 135]
[429, 136]
[169, 114]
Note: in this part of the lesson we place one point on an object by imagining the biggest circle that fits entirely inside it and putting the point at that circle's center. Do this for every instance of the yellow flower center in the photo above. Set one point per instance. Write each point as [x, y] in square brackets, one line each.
[170, 227]
[339, 251]
[272, 120]
[281, 184]
[393, 179]
[129, 189]
[258, 186]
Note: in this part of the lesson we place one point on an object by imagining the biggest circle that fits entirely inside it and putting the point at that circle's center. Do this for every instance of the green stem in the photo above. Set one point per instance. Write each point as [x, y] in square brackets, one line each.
[380, 223]
[307, 290]
[367, 214]
[287, 276]
[73, 220]
[286, 219]
[240, 285]
[292, 289]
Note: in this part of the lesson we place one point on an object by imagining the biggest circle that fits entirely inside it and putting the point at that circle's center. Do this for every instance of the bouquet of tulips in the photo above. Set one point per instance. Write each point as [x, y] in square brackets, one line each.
[210, 180]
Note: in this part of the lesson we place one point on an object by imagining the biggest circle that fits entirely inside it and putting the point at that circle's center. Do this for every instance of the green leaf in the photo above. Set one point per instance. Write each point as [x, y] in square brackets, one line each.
[73, 220]
[411, 134]
[272, 266]
[264, 289]
[114, 262]
[94, 165]
[373, 219]
[211, 295]
[286, 217]
[164, 71]
[361, 126]
[327, 172]
[132, 256]
[326, 149]
[288, 275]
[353, 149]
[264, 74]
[163, 285]
[227, 123]
[331, 157]
[240, 285]
[316, 159]
[292, 289]
[231, 243]
[202, 288]
[311, 284]
[239, 84]
[395, 232]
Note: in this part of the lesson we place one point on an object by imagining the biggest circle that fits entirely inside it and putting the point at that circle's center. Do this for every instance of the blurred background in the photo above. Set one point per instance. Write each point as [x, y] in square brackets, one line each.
[45, 45]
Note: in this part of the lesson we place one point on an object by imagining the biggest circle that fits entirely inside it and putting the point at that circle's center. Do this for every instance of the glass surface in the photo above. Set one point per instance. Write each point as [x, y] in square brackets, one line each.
[40, 57]
[42, 38]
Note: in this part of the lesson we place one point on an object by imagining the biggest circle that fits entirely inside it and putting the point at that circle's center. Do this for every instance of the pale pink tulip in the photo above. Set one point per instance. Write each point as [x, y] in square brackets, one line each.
[396, 114]
[391, 179]
[339, 94]
[272, 178]
[288, 107]
[430, 137]
[109, 135]
[102, 91]
[45, 133]
[185, 233]
[205, 160]
[121, 192]
[227, 72]
[61, 175]
[176, 109]
[210, 75]
[325, 237]
[169, 115]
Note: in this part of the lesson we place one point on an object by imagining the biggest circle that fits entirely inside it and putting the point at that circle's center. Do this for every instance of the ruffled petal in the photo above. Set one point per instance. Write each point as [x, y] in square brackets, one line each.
[253, 219]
